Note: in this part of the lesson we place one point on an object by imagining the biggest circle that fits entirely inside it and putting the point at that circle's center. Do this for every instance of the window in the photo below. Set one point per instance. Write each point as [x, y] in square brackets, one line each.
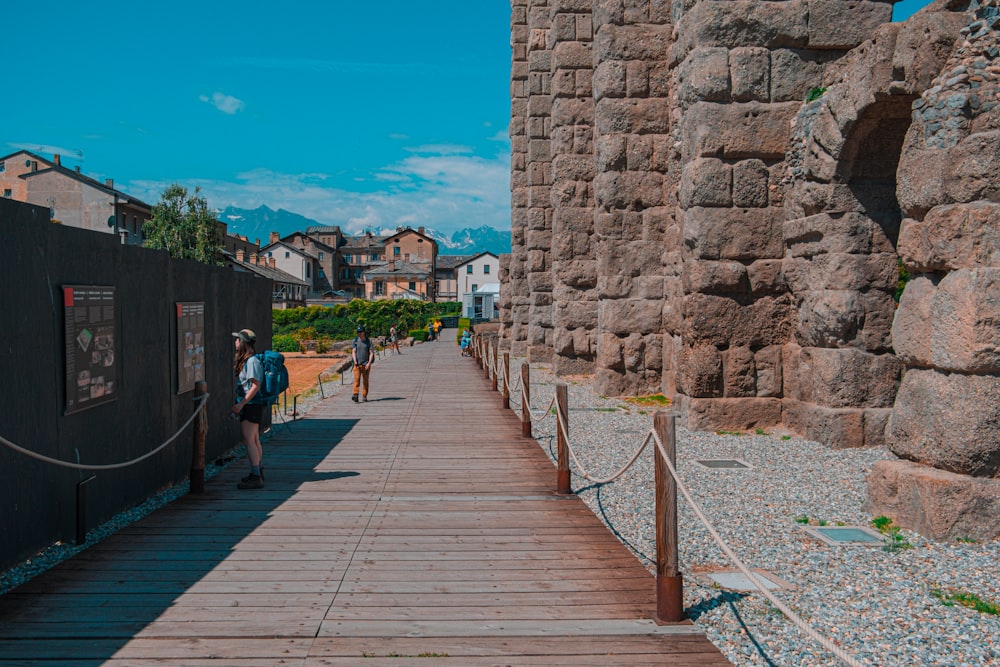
[486, 269]
[475, 287]
[345, 274]
[468, 269]
[321, 256]
[373, 257]
[308, 271]
[347, 259]
[413, 286]
[3, 167]
[287, 254]
[395, 251]
[7, 193]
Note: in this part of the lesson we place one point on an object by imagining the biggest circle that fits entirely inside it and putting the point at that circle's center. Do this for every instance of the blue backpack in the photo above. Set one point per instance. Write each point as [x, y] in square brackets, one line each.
[275, 377]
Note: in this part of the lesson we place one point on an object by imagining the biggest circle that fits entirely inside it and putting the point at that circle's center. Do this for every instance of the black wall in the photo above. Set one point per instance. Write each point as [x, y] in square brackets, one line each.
[38, 499]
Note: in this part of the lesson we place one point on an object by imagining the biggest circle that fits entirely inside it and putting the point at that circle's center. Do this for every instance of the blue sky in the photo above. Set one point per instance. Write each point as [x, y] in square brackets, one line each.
[351, 113]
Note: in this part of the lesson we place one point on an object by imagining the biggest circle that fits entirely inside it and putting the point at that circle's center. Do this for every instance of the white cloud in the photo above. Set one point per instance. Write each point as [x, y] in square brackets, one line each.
[441, 192]
[225, 103]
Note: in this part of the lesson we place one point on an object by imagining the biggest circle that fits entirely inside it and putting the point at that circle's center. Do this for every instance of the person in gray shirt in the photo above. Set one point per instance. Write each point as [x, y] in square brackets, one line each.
[363, 353]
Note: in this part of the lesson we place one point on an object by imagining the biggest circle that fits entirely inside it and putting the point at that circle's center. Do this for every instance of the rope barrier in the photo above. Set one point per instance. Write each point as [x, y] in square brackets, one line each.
[583, 471]
[789, 614]
[109, 466]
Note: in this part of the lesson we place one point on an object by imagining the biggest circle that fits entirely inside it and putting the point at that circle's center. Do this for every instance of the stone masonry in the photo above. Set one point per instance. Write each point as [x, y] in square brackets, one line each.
[714, 198]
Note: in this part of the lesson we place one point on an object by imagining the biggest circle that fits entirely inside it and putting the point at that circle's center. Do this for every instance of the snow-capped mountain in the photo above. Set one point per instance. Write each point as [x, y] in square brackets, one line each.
[258, 223]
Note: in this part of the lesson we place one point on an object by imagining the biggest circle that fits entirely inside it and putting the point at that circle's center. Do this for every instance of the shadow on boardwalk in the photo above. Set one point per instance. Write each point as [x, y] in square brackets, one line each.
[418, 524]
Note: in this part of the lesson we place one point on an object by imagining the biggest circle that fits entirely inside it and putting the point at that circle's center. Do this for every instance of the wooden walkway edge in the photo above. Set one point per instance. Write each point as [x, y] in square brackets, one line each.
[418, 528]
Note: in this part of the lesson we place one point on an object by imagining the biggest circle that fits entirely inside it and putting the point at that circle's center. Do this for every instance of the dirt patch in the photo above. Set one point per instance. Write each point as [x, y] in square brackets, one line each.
[304, 369]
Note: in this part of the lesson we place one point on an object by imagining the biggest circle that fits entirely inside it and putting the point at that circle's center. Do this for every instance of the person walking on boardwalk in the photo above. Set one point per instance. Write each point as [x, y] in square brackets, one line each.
[363, 353]
[394, 338]
[249, 373]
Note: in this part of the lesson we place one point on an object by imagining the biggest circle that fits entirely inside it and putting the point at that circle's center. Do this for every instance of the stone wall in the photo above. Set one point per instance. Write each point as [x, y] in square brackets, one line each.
[946, 421]
[686, 222]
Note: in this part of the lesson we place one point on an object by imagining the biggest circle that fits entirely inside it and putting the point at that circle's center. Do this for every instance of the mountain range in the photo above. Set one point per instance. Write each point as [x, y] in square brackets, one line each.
[258, 223]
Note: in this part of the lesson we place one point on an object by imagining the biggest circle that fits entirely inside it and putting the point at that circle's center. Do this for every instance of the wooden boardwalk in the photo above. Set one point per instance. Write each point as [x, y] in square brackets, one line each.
[416, 529]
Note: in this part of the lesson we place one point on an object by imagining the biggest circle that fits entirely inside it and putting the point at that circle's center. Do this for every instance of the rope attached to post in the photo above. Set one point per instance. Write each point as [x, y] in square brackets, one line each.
[109, 466]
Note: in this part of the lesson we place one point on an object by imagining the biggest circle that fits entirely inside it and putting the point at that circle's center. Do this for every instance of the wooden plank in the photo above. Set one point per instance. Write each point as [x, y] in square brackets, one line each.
[385, 532]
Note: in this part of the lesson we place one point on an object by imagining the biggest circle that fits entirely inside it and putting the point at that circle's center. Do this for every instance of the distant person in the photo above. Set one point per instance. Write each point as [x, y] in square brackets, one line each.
[363, 354]
[394, 338]
[437, 328]
[249, 374]
[430, 331]
[466, 340]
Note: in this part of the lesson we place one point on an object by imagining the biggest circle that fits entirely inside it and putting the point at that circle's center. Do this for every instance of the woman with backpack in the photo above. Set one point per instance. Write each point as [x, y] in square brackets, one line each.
[250, 373]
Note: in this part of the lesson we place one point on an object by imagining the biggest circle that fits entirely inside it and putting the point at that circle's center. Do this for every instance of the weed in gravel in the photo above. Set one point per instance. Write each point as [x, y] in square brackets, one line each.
[965, 599]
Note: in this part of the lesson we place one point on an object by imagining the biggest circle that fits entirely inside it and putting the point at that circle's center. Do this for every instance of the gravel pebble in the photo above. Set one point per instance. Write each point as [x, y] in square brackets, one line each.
[878, 605]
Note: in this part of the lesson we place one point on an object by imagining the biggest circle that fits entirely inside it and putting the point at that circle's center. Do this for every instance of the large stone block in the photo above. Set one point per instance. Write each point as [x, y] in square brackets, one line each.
[930, 177]
[768, 364]
[935, 503]
[738, 131]
[766, 276]
[739, 234]
[794, 72]
[745, 23]
[706, 182]
[572, 55]
[829, 28]
[837, 428]
[576, 314]
[852, 233]
[750, 74]
[708, 277]
[645, 42]
[739, 373]
[842, 271]
[723, 322]
[949, 421]
[841, 378]
[957, 236]
[951, 326]
[572, 111]
[639, 116]
[627, 316]
[744, 414]
[609, 79]
[699, 372]
[830, 318]
[704, 76]
[580, 274]
[750, 184]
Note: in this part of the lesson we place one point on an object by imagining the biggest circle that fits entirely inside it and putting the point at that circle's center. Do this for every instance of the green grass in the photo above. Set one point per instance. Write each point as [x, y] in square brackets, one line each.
[728, 433]
[894, 538]
[786, 437]
[650, 400]
[966, 599]
[802, 518]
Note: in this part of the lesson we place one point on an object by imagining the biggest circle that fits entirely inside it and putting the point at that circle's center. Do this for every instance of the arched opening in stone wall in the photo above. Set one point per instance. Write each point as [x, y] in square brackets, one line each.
[870, 158]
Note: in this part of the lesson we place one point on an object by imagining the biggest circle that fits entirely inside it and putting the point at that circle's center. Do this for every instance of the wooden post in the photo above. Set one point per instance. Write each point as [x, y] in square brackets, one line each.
[486, 359]
[506, 380]
[493, 364]
[200, 431]
[525, 400]
[562, 441]
[669, 581]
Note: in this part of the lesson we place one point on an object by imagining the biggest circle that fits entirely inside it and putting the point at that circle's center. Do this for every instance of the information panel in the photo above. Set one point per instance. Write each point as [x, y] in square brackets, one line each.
[190, 344]
[91, 366]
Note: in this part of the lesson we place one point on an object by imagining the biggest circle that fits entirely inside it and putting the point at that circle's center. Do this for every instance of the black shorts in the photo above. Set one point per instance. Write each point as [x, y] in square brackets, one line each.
[252, 412]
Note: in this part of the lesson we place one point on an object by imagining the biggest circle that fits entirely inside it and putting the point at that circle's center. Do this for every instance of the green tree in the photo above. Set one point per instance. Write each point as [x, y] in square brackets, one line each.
[184, 226]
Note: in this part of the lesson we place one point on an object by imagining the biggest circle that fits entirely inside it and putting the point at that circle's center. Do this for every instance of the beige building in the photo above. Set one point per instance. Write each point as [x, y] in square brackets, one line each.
[72, 198]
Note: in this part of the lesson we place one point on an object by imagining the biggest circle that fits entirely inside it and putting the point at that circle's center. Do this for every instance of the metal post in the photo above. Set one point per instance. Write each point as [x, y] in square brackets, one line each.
[81, 509]
[562, 441]
[506, 380]
[525, 400]
[295, 406]
[319, 378]
[669, 581]
[200, 431]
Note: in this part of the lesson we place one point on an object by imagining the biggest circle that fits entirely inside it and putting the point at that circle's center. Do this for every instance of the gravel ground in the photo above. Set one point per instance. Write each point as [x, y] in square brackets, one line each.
[877, 604]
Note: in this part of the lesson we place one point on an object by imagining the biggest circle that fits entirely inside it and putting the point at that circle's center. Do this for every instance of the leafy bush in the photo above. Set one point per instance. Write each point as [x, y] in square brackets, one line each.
[285, 343]
[418, 334]
[340, 321]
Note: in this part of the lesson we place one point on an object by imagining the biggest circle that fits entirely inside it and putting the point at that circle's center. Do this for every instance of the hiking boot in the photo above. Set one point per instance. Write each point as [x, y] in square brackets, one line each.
[252, 482]
[246, 478]
[354, 397]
